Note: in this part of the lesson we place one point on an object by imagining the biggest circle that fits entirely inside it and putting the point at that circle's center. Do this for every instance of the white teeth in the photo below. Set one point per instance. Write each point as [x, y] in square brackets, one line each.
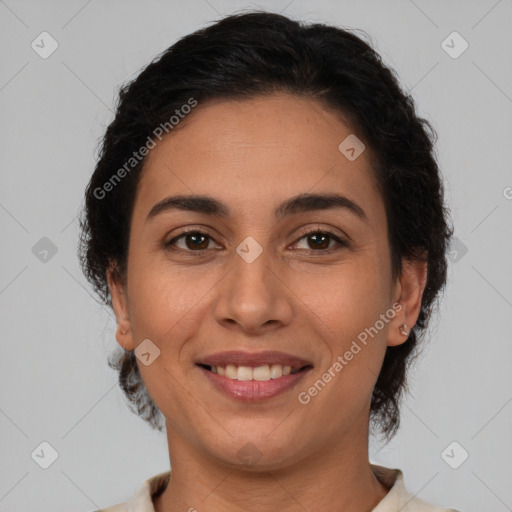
[244, 373]
[231, 371]
[259, 373]
[276, 371]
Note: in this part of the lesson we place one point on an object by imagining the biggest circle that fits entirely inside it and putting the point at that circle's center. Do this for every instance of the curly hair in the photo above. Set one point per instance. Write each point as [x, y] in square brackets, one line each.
[258, 53]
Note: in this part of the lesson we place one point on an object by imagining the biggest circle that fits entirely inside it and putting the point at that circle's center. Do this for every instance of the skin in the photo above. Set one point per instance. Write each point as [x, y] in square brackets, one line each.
[252, 155]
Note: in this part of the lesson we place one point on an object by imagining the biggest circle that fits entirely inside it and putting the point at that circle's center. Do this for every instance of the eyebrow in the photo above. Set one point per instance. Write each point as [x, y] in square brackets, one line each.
[294, 205]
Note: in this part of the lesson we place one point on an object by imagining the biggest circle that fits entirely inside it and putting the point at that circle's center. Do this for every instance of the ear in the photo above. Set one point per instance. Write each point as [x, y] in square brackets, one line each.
[120, 304]
[408, 292]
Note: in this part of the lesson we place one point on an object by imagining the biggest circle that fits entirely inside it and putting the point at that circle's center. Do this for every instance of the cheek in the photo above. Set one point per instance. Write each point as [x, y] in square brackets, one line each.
[164, 308]
[345, 298]
[348, 308]
[164, 299]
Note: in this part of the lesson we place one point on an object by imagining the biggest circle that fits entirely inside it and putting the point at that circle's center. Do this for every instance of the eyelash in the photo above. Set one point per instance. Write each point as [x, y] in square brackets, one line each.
[341, 243]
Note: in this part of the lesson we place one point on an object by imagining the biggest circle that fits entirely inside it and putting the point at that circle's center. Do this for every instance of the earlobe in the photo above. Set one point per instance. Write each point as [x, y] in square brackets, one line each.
[410, 290]
[403, 330]
[119, 302]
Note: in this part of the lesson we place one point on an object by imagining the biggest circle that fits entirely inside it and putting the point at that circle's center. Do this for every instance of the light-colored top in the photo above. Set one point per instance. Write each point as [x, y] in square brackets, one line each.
[396, 500]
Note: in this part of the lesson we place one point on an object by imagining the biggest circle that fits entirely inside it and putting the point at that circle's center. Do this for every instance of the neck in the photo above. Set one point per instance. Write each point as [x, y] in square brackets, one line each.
[336, 478]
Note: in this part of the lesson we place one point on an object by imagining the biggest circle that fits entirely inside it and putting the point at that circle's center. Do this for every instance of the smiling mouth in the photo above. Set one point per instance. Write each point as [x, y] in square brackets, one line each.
[261, 373]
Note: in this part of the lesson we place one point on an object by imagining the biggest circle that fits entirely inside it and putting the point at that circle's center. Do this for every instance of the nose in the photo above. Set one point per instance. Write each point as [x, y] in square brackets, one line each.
[254, 296]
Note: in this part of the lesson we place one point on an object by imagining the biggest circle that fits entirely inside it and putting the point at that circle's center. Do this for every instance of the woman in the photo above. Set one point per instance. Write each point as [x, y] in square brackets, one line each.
[266, 220]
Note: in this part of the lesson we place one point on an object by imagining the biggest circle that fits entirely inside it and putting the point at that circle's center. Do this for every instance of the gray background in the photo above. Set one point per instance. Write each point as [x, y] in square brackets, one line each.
[56, 385]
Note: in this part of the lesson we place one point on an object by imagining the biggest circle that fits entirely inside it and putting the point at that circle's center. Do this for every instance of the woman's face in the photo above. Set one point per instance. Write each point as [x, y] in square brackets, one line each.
[254, 281]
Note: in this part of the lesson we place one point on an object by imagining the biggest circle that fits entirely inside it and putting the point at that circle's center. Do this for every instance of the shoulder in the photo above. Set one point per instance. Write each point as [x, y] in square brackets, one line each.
[398, 498]
[120, 507]
[142, 500]
[417, 505]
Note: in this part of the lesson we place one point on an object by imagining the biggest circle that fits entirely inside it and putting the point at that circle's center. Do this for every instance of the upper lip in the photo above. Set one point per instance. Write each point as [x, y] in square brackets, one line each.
[239, 358]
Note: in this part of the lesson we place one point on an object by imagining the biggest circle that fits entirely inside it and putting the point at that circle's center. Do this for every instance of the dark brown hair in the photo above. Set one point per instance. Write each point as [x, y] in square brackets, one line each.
[257, 53]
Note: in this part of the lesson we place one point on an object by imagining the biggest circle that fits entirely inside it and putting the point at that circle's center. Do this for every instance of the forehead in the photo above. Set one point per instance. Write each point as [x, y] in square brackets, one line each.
[253, 150]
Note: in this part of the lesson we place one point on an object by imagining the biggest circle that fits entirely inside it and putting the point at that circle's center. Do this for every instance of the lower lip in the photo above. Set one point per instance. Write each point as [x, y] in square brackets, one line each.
[253, 390]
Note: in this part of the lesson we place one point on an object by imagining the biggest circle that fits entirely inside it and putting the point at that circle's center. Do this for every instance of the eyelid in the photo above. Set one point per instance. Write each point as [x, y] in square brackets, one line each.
[324, 229]
[188, 230]
[341, 240]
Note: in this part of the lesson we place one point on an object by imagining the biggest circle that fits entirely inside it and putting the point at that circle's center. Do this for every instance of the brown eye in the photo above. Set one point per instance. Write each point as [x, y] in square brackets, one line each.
[321, 240]
[198, 241]
[194, 240]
